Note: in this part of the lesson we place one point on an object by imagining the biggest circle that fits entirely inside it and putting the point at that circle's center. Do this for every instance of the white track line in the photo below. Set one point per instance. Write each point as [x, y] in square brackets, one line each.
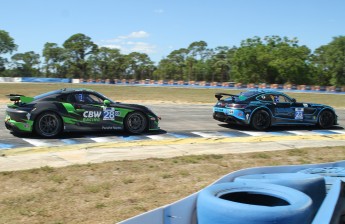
[101, 139]
[255, 133]
[36, 142]
[338, 131]
[208, 134]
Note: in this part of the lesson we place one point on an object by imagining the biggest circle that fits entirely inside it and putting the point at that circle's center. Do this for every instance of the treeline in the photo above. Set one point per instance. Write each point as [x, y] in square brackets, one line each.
[271, 59]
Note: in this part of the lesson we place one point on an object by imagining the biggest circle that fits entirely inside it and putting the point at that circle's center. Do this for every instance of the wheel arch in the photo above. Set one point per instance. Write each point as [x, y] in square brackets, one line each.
[325, 109]
[36, 115]
[137, 111]
[256, 110]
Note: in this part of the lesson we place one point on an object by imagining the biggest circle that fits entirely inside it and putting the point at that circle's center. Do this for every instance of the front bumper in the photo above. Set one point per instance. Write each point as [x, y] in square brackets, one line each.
[154, 123]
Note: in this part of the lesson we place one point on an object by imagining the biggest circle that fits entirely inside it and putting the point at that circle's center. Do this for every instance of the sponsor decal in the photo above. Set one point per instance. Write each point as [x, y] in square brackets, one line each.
[305, 105]
[28, 116]
[299, 113]
[92, 116]
[230, 112]
[111, 128]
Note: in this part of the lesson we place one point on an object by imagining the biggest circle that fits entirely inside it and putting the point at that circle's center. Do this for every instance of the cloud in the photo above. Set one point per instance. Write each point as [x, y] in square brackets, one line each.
[128, 43]
[135, 35]
[159, 11]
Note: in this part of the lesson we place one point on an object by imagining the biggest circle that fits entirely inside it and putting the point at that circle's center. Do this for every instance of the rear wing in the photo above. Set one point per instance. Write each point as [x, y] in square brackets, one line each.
[220, 95]
[20, 98]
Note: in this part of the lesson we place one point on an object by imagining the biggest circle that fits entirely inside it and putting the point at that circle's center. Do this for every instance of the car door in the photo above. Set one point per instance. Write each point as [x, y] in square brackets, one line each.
[90, 110]
[288, 110]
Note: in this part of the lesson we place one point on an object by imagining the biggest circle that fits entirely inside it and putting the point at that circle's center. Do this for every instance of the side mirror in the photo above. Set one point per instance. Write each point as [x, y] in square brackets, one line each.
[106, 103]
[293, 100]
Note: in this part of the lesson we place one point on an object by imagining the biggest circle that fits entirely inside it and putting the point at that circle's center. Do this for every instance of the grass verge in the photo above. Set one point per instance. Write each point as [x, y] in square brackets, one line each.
[159, 94]
[113, 191]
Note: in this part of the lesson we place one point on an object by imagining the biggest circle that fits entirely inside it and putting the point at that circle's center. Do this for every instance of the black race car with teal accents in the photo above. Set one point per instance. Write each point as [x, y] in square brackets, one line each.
[66, 110]
[262, 109]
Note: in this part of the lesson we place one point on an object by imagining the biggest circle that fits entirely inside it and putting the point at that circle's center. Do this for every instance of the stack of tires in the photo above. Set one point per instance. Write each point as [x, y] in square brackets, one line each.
[262, 199]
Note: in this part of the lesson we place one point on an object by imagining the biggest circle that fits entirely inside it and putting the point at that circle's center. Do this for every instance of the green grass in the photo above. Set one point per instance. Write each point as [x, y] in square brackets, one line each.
[113, 191]
[159, 94]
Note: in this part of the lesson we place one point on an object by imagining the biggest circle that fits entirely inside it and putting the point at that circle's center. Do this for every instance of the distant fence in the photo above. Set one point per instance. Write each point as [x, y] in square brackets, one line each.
[179, 83]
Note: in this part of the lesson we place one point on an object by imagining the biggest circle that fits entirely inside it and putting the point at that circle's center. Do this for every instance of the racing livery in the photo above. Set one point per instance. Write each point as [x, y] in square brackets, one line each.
[66, 110]
[264, 108]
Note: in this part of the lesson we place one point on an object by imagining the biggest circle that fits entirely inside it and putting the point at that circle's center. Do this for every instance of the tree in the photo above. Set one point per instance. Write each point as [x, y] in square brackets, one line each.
[139, 66]
[79, 47]
[7, 45]
[55, 58]
[173, 66]
[273, 60]
[107, 63]
[330, 62]
[27, 64]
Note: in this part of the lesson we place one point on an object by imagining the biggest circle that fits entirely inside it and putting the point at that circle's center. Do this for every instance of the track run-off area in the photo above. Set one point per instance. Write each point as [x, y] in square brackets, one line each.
[185, 130]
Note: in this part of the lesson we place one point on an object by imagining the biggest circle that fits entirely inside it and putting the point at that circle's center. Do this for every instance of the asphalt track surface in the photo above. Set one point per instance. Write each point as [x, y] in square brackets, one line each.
[186, 129]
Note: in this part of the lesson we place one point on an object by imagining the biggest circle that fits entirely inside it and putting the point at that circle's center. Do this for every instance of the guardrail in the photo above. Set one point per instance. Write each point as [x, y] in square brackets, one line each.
[180, 83]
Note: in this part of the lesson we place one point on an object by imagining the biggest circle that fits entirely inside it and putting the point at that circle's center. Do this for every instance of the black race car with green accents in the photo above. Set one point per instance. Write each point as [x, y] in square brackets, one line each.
[66, 110]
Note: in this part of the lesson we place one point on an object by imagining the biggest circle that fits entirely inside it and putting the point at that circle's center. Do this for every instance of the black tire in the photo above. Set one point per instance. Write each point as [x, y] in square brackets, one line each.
[135, 123]
[261, 120]
[48, 124]
[326, 119]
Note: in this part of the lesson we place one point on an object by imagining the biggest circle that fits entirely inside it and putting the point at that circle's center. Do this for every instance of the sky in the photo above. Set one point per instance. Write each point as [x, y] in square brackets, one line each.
[157, 27]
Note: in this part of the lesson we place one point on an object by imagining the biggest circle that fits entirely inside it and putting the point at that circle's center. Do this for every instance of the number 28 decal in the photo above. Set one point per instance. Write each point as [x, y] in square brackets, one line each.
[109, 114]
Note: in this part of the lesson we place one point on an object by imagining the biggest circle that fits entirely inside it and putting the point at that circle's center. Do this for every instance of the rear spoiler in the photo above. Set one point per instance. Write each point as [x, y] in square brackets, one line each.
[18, 97]
[220, 95]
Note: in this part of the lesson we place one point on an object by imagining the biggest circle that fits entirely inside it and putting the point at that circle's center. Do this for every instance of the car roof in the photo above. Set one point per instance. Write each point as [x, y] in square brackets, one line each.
[266, 91]
[70, 90]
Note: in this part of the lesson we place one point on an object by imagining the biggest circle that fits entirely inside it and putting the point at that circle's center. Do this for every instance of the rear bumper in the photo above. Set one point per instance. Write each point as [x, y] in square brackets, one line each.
[17, 126]
[219, 116]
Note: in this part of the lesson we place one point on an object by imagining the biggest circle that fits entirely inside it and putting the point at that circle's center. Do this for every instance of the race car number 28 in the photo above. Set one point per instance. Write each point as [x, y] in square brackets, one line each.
[109, 114]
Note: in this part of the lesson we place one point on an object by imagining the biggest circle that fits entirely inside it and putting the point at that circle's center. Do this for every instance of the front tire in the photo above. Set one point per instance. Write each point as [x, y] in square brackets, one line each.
[136, 123]
[326, 119]
[48, 124]
[261, 120]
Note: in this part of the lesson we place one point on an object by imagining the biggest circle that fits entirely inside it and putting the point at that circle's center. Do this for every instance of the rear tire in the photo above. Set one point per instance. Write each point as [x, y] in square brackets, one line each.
[261, 120]
[326, 119]
[48, 124]
[136, 122]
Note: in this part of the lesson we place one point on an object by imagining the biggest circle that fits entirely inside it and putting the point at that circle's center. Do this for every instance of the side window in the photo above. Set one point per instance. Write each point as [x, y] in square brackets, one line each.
[75, 98]
[266, 97]
[93, 99]
[283, 99]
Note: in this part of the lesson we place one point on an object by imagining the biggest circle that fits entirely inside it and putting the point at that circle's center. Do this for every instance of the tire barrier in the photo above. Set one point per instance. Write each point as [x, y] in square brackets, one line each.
[202, 84]
[259, 203]
[310, 184]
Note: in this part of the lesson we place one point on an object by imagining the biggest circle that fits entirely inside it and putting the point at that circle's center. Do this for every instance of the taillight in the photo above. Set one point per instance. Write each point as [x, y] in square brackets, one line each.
[236, 106]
